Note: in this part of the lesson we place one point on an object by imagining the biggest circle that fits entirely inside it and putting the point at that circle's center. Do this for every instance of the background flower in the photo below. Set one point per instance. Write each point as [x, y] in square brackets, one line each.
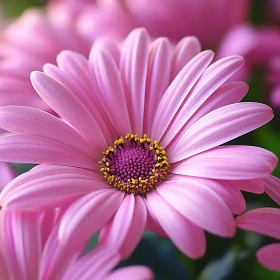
[30, 250]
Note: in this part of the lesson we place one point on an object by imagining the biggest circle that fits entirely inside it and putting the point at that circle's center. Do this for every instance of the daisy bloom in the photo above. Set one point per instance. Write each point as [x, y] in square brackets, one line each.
[24, 255]
[135, 144]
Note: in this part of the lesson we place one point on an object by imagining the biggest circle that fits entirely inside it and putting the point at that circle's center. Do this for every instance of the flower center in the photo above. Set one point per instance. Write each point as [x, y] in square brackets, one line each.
[134, 164]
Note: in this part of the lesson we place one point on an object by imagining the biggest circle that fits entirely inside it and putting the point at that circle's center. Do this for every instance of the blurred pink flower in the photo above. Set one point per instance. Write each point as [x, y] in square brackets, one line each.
[264, 221]
[173, 19]
[38, 36]
[165, 178]
[261, 48]
[24, 255]
[26, 45]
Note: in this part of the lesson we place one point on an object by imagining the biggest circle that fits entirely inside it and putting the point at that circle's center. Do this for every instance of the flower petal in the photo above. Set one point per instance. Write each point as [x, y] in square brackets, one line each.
[34, 149]
[193, 198]
[189, 238]
[107, 80]
[7, 173]
[220, 126]
[268, 256]
[178, 90]
[229, 163]
[136, 272]
[48, 187]
[158, 78]
[124, 231]
[185, 50]
[226, 94]
[262, 220]
[252, 186]
[86, 95]
[272, 187]
[88, 214]
[212, 78]
[31, 121]
[133, 69]
[69, 107]
[21, 244]
[95, 265]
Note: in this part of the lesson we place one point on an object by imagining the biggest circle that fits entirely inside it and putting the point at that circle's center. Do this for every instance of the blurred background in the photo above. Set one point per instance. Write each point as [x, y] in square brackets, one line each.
[225, 258]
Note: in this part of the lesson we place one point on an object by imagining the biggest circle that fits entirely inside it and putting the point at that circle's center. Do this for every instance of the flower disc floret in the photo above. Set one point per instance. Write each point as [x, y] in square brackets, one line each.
[134, 165]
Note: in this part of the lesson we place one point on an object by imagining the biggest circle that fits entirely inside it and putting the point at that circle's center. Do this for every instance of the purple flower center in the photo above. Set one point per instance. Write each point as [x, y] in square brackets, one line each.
[135, 164]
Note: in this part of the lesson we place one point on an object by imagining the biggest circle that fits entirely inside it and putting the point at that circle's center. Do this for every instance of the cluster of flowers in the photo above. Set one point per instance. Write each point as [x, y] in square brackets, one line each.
[126, 128]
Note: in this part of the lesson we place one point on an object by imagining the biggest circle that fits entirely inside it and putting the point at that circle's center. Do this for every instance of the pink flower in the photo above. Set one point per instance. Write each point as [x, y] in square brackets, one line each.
[26, 45]
[24, 255]
[137, 145]
[261, 48]
[264, 221]
[173, 19]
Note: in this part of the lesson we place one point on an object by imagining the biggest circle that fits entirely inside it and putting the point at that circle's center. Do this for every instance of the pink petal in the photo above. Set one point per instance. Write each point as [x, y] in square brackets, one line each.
[34, 149]
[212, 78]
[21, 244]
[185, 50]
[252, 186]
[262, 220]
[230, 194]
[272, 187]
[158, 78]
[48, 187]
[136, 272]
[56, 258]
[124, 231]
[30, 121]
[110, 90]
[189, 238]
[229, 163]
[107, 44]
[86, 95]
[178, 90]
[226, 94]
[193, 198]
[220, 126]
[133, 69]
[95, 265]
[77, 68]
[269, 256]
[88, 214]
[3, 267]
[7, 173]
[152, 223]
[69, 107]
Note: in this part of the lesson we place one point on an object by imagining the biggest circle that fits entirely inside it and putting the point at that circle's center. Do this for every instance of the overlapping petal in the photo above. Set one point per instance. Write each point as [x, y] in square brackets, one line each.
[125, 229]
[229, 163]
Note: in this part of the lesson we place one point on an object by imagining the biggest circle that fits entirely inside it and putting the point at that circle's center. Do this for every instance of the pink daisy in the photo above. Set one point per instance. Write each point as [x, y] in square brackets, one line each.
[137, 144]
[24, 255]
